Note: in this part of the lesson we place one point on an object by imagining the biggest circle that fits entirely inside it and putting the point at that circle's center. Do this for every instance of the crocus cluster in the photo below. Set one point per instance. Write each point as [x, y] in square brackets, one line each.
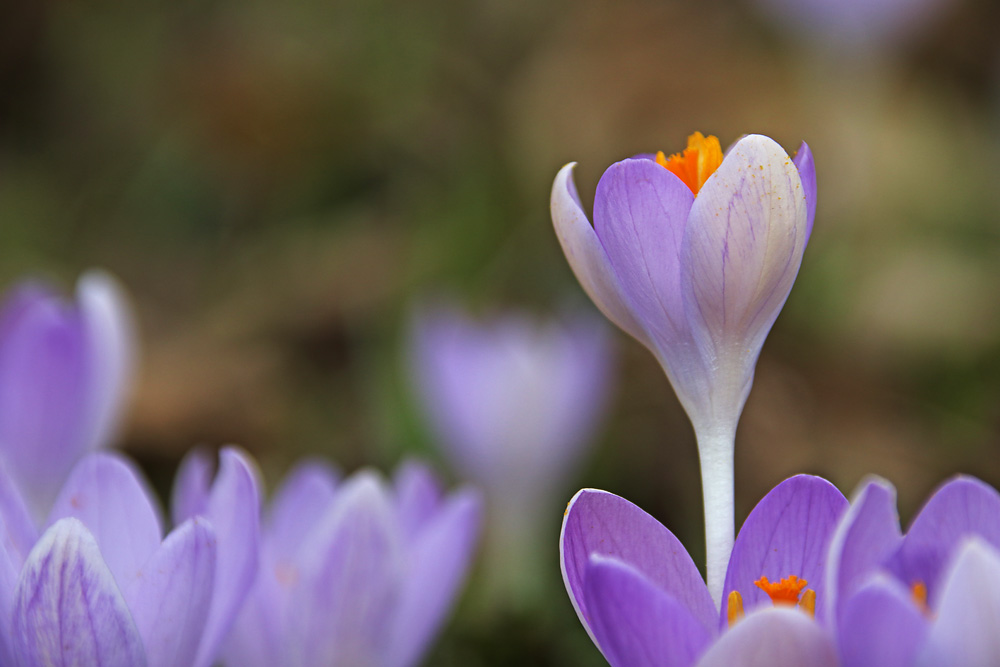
[99, 584]
[813, 580]
[65, 370]
[355, 572]
[694, 256]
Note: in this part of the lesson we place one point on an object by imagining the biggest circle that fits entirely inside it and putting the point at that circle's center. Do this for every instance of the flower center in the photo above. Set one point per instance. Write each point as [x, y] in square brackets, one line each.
[784, 592]
[699, 160]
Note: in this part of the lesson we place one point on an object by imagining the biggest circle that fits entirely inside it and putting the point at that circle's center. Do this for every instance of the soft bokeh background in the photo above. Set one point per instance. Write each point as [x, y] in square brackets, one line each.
[276, 182]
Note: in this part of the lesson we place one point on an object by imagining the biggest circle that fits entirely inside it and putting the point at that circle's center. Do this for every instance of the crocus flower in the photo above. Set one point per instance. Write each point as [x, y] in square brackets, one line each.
[355, 573]
[811, 581]
[64, 373]
[694, 256]
[102, 586]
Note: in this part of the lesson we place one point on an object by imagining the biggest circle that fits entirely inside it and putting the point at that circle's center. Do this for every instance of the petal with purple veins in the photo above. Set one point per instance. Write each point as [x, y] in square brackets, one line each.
[598, 522]
[637, 624]
[787, 533]
[68, 609]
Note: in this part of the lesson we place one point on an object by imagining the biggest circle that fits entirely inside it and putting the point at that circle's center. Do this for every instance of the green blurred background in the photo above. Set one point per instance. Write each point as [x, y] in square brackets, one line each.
[275, 182]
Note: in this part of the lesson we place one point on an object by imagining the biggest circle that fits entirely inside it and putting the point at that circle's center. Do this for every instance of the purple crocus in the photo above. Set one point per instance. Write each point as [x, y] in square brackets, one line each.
[694, 256]
[102, 586]
[355, 572]
[811, 581]
[65, 369]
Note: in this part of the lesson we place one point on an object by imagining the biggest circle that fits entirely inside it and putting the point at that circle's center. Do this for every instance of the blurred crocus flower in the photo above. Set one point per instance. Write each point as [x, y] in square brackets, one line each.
[694, 256]
[811, 582]
[358, 572]
[103, 586]
[65, 369]
[851, 26]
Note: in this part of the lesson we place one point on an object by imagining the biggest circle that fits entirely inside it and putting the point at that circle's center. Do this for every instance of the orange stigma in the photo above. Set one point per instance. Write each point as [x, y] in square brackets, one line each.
[785, 591]
[699, 160]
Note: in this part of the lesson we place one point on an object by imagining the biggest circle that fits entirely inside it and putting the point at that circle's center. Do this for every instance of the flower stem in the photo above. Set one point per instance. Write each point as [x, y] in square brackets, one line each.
[715, 454]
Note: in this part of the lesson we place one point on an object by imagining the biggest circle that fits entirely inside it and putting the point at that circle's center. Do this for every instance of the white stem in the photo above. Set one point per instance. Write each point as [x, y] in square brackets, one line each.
[715, 453]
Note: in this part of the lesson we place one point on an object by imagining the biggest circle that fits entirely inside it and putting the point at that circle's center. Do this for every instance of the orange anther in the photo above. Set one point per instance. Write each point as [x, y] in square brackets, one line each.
[734, 607]
[808, 602]
[699, 160]
[919, 593]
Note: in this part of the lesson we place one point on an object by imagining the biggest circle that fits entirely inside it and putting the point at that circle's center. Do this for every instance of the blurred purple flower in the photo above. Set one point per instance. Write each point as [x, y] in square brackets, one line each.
[847, 26]
[931, 597]
[65, 369]
[694, 257]
[102, 586]
[355, 572]
[512, 401]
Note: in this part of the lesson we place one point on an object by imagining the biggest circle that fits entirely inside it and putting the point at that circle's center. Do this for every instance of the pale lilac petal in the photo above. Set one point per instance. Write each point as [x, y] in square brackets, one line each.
[436, 566]
[107, 494]
[19, 533]
[418, 497]
[341, 607]
[741, 252]
[192, 485]
[961, 508]
[867, 534]
[598, 522]
[110, 339]
[587, 257]
[637, 624]
[43, 385]
[880, 626]
[171, 597]
[234, 512]
[772, 637]
[68, 610]
[787, 533]
[968, 614]
[298, 506]
[255, 638]
[807, 173]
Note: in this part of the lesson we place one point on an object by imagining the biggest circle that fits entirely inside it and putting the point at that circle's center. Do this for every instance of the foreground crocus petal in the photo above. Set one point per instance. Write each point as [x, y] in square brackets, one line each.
[635, 623]
[880, 626]
[773, 637]
[355, 580]
[64, 373]
[68, 609]
[965, 631]
[787, 533]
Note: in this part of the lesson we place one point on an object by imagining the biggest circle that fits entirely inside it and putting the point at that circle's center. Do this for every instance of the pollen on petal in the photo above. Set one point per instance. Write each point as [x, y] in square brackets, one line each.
[785, 591]
[699, 160]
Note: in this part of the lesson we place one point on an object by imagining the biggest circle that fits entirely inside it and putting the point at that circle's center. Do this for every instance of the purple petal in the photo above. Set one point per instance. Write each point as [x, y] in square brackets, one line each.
[587, 258]
[807, 173]
[418, 497]
[19, 533]
[68, 610]
[110, 340]
[107, 494]
[640, 212]
[961, 508]
[867, 534]
[234, 512]
[598, 522]
[772, 637]
[637, 624]
[298, 506]
[437, 563]
[255, 638]
[349, 570]
[192, 485]
[43, 385]
[741, 252]
[787, 533]
[880, 626]
[171, 597]
[968, 615]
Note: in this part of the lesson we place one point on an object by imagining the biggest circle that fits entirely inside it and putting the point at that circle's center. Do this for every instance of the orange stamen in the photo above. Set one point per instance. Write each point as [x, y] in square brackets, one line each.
[734, 607]
[699, 160]
[919, 592]
[785, 591]
[808, 602]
